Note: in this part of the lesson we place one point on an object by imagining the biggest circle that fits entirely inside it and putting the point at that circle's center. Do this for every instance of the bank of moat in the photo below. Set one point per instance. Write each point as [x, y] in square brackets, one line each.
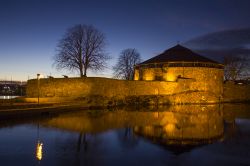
[177, 76]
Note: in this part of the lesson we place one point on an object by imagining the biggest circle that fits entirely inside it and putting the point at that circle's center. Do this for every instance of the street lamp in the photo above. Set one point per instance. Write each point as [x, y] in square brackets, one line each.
[38, 87]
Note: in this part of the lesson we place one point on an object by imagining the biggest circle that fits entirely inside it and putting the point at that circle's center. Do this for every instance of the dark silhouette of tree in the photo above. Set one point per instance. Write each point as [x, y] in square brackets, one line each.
[124, 68]
[236, 67]
[81, 48]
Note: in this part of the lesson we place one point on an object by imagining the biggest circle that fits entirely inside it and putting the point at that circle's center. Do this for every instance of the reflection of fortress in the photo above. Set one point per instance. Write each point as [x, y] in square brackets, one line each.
[184, 129]
[174, 125]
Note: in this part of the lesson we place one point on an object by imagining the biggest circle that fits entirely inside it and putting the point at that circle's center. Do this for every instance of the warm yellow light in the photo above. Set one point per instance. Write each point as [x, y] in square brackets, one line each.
[136, 75]
[169, 128]
[171, 77]
[148, 75]
[156, 114]
[39, 150]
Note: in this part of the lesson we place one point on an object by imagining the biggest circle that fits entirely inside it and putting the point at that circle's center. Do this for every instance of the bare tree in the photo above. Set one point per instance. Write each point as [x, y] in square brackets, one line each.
[236, 67]
[124, 68]
[81, 48]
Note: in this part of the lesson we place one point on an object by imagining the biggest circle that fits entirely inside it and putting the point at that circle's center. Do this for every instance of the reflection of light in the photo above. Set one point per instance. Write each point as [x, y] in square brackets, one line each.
[156, 114]
[39, 150]
[203, 108]
[169, 127]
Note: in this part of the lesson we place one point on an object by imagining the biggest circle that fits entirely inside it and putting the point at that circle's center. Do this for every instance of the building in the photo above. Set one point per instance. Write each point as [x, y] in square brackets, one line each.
[16, 88]
[178, 62]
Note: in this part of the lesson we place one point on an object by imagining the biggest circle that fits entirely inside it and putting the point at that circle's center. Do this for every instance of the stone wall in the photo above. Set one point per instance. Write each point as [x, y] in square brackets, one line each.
[180, 91]
[236, 92]
[171, 73]
[206, 79]
[75, 87]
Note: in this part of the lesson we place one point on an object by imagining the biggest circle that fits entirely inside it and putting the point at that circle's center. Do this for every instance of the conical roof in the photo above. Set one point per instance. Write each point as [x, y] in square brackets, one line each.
[178, 53]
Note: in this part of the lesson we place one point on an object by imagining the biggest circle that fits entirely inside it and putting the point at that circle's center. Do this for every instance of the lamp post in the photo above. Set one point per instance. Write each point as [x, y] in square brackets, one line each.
[38, 87]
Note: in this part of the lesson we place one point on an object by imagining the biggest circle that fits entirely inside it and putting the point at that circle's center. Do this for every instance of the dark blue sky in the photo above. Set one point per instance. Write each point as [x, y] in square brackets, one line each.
[30, 30]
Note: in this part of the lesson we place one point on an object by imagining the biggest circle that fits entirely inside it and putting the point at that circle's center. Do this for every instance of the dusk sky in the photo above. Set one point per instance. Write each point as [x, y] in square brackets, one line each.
[30, 30]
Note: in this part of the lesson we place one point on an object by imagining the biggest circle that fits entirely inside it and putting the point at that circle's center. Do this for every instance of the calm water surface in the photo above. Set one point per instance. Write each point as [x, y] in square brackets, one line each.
[177, 135]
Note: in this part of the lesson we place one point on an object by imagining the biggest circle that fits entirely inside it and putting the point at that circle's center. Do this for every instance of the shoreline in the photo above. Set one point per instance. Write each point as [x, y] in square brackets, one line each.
[18, 108]
[40, 110]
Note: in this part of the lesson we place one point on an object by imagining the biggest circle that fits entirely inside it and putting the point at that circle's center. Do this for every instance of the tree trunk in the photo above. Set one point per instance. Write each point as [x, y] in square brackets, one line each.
[85, 72]
[81, 70]
[81, 66]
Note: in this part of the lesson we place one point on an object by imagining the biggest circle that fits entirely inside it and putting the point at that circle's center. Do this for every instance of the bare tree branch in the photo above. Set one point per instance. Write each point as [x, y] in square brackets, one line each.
[124, 68]
[81, 48]
[236, 67]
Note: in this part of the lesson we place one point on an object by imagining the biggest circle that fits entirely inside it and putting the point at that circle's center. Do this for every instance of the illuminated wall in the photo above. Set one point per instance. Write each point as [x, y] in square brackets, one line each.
[207, 79]
[75, 87]
[136, 74]
[236, 92]
[181, 91]
[172, 73]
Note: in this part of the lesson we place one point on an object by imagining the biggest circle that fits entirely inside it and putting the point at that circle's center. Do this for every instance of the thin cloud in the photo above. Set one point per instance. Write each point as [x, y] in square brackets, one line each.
[223, 39]
[222, 43]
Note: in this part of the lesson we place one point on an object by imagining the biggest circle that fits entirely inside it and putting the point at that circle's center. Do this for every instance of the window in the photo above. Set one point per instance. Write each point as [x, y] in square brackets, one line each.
[158, 78]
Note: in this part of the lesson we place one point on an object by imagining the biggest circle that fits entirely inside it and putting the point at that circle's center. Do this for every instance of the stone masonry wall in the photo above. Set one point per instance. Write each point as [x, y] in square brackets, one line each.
[181, 91]
[236, 93]
[75, 87]
[206, 79]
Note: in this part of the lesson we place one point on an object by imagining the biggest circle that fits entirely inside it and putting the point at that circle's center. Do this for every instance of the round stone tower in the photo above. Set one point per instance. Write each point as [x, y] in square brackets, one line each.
[179, 63]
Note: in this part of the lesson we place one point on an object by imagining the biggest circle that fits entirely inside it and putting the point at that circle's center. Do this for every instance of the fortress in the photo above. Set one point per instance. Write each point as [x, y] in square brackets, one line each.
[177, 76]
[179, 63]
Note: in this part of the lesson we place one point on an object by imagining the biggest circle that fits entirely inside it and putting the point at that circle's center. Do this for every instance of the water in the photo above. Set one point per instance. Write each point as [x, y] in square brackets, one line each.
[178, 135]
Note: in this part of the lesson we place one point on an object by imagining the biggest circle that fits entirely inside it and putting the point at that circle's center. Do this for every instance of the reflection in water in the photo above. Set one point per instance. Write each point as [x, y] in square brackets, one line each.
[82, 141]
[39, 150]
[181, 125]
[39, 145]
[127, 138]
[181, 128]
[131, 137]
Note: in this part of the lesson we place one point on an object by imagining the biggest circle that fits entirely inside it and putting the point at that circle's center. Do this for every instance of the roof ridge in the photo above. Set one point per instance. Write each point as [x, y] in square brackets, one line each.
[178, 53]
